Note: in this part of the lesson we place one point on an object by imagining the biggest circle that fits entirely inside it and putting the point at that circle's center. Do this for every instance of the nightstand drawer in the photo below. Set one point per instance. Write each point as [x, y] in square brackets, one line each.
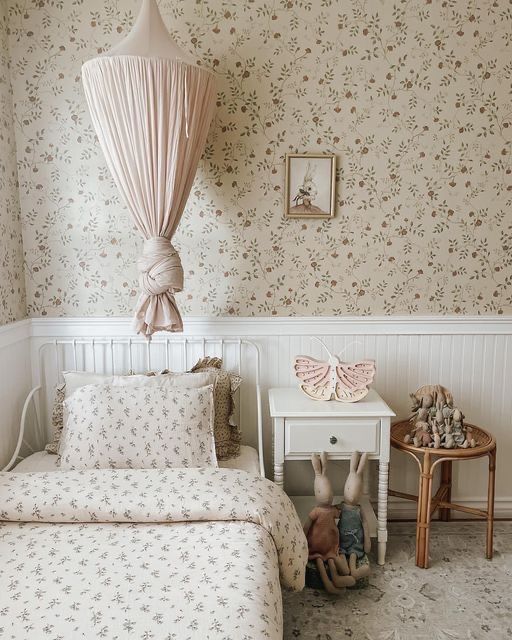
[304, 436]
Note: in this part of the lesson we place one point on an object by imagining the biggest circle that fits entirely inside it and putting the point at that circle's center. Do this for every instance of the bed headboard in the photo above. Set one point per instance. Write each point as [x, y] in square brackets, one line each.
[137, 355]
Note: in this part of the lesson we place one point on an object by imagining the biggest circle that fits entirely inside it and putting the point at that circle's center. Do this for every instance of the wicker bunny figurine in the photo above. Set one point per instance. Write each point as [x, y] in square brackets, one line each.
[355, 541]
[322, 534]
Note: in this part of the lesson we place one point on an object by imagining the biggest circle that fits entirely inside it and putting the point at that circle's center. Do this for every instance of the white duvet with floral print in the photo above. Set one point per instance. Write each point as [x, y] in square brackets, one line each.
[169, 554]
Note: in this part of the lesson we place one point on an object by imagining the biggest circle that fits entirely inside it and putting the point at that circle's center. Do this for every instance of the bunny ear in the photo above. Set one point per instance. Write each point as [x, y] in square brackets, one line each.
[323, 459]
[317, 465]
[353, 462]
[362, 462]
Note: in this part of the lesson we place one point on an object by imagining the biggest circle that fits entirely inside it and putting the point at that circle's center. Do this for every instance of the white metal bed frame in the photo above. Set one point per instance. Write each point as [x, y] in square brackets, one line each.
[206, 346]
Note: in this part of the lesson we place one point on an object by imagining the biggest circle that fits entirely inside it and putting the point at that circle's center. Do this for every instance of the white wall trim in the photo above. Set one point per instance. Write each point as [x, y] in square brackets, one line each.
[284, 326]
[15, 374]
[15, 332]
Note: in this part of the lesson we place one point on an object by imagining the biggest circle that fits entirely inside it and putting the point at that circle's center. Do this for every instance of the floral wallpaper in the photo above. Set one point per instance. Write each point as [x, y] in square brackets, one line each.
[12, 280]
[412, 96]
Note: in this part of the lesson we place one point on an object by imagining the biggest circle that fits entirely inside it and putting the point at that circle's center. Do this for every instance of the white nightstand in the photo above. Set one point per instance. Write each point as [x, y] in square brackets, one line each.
[302, 426]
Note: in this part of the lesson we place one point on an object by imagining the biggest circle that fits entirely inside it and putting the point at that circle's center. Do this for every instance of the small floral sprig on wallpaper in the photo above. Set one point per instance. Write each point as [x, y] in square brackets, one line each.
[412, 97]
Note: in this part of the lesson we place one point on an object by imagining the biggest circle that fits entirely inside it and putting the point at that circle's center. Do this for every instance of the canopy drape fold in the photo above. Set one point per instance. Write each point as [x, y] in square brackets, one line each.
[152, 116]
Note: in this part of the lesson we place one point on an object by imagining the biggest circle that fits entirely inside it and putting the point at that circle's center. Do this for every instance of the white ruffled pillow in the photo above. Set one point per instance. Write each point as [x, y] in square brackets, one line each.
[138, 427]
[76, 379]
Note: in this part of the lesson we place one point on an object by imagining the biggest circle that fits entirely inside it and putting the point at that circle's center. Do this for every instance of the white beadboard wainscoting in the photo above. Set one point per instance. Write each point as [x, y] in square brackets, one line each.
[472, 356]
[15, 383]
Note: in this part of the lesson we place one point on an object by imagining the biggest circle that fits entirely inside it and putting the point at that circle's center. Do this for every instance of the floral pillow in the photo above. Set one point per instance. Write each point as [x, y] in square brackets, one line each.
[74, 380]
[141, 427]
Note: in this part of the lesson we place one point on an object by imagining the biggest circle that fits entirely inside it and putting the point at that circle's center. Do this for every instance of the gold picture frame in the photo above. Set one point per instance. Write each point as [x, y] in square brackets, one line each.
[310, 185]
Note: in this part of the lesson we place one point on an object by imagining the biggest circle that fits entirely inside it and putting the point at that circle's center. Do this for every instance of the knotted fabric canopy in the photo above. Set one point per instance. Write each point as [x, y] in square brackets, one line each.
[152, 117]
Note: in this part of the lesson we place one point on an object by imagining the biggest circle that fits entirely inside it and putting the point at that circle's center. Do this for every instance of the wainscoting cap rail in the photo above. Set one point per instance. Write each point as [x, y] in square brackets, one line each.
[284, 326]
[15, 332]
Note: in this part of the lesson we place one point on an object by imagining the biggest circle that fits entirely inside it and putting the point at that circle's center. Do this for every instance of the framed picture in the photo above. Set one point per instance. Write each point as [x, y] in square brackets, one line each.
[310, 185]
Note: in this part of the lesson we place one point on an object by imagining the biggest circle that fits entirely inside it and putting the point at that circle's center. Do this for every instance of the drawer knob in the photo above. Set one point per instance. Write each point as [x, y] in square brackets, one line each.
[333, 439]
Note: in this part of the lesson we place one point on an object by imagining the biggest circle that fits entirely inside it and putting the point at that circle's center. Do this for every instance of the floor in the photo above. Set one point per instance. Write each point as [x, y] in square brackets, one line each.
[461, 596]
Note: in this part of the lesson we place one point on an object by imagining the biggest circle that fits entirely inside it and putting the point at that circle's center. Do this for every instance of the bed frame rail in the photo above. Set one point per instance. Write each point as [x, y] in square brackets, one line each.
[119, 356]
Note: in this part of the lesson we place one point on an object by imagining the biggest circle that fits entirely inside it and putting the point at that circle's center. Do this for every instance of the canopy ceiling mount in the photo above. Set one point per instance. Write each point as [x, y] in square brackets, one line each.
[149, 38]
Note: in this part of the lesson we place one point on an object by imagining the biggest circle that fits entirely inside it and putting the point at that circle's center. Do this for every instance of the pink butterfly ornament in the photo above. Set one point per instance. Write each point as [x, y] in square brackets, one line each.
[342, 381]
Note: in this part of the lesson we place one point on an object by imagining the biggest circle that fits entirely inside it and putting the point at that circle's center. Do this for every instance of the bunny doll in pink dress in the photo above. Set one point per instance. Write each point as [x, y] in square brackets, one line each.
[322, 533]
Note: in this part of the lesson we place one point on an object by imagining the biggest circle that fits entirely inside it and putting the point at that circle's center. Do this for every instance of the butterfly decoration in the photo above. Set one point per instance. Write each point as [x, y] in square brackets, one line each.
[343, 381]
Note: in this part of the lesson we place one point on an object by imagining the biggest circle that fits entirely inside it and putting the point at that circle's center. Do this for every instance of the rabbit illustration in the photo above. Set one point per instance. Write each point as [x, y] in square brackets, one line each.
[322, 533]
[308, 183]
[353, 528]
[307, 191]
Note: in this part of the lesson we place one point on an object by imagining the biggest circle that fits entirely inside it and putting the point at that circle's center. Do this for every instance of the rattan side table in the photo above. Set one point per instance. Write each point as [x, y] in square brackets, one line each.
[428, 460]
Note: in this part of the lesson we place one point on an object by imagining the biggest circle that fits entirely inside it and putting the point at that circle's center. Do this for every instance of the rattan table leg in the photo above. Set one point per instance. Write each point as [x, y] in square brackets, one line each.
[423, 521]
[490, 504]
[418, 519]
[445, 513]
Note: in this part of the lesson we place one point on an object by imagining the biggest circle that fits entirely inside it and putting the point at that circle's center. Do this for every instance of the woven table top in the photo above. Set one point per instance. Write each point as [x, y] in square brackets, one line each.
[484, 442]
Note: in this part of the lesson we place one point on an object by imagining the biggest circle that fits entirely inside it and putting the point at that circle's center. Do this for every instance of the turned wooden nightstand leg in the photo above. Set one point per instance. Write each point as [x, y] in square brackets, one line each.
[445, 513]
[490, 504]
[423, 519]
[279, 474]
[382, 512]
[278, 451]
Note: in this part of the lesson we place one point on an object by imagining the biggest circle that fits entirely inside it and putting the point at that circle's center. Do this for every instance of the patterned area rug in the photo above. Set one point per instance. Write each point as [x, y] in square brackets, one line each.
[462, 596]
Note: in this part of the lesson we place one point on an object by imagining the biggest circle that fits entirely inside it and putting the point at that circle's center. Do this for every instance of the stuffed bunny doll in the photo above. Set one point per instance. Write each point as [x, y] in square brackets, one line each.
[322, 534]
[355, 541]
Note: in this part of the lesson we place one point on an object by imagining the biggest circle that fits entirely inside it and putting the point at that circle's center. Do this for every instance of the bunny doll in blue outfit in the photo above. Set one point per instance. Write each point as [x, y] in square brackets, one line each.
[353, 528]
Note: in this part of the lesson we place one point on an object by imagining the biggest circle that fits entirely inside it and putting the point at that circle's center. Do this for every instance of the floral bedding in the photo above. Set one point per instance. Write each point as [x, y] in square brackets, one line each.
[169, 554]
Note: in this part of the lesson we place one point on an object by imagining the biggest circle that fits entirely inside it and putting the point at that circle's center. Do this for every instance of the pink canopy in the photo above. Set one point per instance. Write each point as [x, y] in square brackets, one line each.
[152, 116]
